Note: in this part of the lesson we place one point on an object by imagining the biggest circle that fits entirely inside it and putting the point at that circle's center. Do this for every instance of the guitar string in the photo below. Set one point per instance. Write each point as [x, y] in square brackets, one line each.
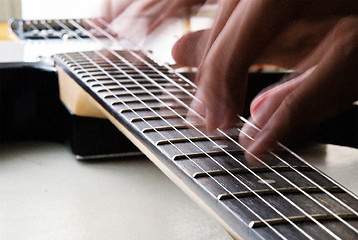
[256, 175]
[229, 137]
[311, 166]
[224, 188]
[284, 178]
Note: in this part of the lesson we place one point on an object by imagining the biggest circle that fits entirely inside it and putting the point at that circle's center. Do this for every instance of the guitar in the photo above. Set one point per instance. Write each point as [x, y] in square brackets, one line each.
[283, 198]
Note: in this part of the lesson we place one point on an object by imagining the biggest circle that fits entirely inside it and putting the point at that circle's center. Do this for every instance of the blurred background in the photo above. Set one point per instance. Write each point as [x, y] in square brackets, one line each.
[40, 9]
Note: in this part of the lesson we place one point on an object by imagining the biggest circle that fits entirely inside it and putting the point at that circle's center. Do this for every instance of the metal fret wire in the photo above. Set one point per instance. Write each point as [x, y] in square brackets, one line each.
[277, 173]
[236, 160]
[223, 187]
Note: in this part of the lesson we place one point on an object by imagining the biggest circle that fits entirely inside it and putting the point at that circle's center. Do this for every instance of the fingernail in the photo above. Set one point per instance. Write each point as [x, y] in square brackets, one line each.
[263, 106]
[263, 111]
[258, 146]
[257, 102]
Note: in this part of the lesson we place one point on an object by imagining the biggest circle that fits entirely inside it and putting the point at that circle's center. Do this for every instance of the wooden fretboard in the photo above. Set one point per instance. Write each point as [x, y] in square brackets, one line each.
[282, 198]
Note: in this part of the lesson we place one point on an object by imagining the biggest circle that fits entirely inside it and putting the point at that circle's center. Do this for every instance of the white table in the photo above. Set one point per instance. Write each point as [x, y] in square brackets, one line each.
[45, 193]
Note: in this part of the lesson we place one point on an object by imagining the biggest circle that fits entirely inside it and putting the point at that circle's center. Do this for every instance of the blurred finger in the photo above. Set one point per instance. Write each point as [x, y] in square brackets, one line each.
[188, 50]
[223, 72]
[330, 89]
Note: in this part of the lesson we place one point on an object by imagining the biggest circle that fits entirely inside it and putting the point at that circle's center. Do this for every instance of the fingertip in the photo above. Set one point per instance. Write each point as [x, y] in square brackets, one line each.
[247, 134]
[187, 51]
[212, 120]
[261, 144]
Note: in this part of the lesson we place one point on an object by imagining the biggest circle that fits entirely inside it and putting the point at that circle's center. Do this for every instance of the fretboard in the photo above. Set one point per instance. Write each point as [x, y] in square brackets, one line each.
[281, 198]
[46, 29]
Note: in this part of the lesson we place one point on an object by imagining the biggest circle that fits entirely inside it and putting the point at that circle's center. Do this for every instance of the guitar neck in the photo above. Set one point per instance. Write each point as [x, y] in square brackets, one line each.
[284, 197]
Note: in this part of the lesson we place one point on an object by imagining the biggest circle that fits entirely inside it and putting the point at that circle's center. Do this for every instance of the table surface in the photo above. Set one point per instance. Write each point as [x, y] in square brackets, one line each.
[47, 194]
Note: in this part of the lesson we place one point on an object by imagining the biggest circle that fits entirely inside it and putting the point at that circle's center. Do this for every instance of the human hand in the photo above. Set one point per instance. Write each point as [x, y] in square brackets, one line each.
[133, 17]
[252, 31]
[326, 89]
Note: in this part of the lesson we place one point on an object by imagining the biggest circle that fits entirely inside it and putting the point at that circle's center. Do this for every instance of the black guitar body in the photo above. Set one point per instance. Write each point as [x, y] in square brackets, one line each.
[31, 110]
[29, 104]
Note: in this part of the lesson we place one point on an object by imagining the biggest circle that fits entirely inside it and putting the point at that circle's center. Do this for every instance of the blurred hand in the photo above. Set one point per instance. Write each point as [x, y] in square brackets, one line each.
[250, 31]
[142, 17]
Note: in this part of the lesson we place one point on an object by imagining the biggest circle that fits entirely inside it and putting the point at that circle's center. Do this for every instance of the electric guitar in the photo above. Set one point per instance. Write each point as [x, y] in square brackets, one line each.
[282, 197]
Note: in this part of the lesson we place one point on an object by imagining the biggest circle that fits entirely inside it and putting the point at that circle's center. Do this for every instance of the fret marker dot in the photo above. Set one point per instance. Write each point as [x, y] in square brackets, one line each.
[220, 146]
[269, 181]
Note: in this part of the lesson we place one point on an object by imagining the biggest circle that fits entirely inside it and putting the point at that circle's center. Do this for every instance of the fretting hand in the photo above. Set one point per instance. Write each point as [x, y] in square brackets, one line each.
[250, 31]
[141, 17]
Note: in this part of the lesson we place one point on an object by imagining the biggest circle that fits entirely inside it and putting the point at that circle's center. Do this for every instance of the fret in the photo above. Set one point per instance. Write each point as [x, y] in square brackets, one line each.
[134, 86]
[104, 83]
[183, 126]
[83, 65]
[125, 93]
[93, 75]
[191, 139]
[205, 154]
[154, 118]
[115, 93]
[91, 68]
[166, 99]
[149, 108]
[254, 169]
[170, 128]
[124, 80]
[303, 218]
[118, 91]
[109, 71]
[115, 87]
[263, 192]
